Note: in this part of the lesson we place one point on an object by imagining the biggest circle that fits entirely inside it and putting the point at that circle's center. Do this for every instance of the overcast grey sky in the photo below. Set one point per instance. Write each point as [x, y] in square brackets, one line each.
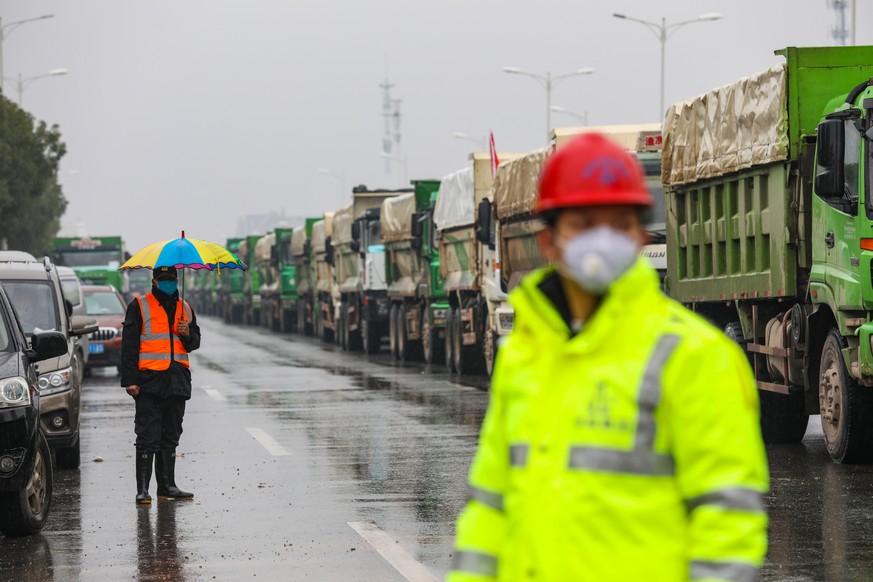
[190, 113]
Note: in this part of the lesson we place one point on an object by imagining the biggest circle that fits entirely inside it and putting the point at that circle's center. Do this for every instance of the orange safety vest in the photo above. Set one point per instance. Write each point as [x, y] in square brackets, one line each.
[158, 344]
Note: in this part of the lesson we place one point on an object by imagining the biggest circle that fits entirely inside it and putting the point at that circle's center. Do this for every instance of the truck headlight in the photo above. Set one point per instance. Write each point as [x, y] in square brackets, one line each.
[54, 382]
[14, 392]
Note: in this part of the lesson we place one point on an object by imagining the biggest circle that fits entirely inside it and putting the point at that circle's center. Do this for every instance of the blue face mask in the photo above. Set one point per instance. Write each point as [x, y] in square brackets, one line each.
[168, 287]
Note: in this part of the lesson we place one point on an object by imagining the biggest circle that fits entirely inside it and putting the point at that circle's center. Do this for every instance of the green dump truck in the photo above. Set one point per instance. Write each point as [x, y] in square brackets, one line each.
[364, 308]
[278, 281]
[418, 301]
[326, 292]
[94, 259]
[301, 258]
[251, 306]
[230, 286]
[770, 235]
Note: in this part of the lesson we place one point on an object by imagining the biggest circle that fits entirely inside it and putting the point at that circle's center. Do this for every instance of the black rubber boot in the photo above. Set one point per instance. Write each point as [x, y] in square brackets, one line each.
[143, 476]
[165, 473]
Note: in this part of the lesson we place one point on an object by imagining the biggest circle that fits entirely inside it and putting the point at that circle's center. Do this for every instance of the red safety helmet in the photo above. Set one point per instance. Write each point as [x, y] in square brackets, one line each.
[592, 170]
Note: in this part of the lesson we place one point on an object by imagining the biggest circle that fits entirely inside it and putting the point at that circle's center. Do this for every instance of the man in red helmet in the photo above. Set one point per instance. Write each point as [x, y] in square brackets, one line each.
[622, 438]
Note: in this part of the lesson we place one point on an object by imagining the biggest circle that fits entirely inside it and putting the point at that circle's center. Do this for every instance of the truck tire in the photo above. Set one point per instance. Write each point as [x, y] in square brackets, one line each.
[301, 320]
[393, 332]
[450, 341]
[25, 512]
[846, 407]
[490, 349]
[783, 417]
[403, 353]
[431, 347]
[70, 457]
[370, 337]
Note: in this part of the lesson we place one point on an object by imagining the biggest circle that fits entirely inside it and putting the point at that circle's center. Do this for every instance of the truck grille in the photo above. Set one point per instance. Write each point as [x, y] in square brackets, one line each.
[104, 334]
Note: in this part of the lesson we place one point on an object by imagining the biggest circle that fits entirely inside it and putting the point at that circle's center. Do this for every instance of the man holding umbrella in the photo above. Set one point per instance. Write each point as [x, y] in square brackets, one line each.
[160, 330]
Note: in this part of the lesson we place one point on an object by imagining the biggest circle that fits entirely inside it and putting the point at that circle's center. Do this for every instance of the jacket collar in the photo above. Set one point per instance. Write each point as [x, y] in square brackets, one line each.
[539, 315]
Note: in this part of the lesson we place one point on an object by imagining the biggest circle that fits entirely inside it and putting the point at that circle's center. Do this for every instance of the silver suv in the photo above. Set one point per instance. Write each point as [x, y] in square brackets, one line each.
[35, 291]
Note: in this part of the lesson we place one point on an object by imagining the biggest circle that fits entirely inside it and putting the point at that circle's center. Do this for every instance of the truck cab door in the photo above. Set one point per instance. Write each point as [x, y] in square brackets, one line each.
[835, 275]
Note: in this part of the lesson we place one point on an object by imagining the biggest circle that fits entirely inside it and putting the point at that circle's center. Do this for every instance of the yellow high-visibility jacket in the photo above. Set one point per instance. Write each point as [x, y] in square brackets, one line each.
[630, 451]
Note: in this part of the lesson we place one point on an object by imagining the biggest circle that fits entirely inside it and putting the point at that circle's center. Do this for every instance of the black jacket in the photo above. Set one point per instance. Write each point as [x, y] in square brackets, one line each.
[176, 380]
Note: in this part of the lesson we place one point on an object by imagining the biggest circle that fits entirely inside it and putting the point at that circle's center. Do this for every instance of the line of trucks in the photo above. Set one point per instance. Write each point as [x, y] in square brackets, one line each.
[764, 226]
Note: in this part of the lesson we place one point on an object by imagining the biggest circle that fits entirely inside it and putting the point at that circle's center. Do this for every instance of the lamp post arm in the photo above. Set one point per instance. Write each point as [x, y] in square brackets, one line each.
[672, 28]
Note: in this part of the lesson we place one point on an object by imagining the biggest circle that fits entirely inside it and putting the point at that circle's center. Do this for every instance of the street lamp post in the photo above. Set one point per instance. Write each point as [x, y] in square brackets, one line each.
[548, 82]
[479, 142]
[582, 118]
[24, 82]
[663, 31]
[339, 176]
[402, 162]
[6, 30]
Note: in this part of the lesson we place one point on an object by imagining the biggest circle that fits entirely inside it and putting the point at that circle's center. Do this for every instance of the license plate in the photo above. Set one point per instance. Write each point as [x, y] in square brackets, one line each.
[95, 348]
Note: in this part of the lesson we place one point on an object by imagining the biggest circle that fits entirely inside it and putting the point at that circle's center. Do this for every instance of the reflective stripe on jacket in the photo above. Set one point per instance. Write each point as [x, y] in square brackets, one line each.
[157, 344]
[631, 451]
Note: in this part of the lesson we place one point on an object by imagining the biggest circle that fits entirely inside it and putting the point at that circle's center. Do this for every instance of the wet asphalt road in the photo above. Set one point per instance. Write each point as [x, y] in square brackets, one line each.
[307, 463]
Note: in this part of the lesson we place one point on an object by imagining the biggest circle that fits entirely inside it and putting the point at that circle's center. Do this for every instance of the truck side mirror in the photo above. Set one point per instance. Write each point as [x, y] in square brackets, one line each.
[356, 246]
[483, 228]
[356, 231]
[829, 179]
[328, 251]
[416, 227]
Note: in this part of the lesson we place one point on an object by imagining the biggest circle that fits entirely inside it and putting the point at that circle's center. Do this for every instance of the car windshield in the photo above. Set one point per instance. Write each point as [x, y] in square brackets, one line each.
[35, 304]
[103, 303]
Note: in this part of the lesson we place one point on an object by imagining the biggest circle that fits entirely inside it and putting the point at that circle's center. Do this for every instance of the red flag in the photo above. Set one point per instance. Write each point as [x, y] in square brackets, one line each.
[494, 160]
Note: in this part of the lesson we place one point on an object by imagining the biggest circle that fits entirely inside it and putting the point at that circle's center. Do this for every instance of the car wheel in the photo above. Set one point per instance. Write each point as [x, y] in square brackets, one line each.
[25, 512]
[69, 458]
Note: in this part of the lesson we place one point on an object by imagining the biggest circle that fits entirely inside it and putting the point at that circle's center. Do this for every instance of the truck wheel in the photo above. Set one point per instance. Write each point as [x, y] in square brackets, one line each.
[845, 407]
[432, 349]
[25, 512]
[490, 349]
[393, 332]
[301, 320]
[450, 340]
[402, 336]
[343, 327]
[783, 417]
[68, 458]
[370, 336]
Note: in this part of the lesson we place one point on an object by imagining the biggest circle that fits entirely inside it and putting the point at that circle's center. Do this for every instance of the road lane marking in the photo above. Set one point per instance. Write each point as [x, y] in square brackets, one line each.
[268, 443]
[214, 394]
[399, 559]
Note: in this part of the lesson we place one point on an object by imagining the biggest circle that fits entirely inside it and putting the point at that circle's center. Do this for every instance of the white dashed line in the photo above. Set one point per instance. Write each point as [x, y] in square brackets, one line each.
[268, 443]
[215, 394]
[401, 561]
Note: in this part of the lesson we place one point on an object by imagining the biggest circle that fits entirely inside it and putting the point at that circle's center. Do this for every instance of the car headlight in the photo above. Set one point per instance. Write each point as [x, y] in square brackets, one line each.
[14, 392]
[58, 381]
[506, 321]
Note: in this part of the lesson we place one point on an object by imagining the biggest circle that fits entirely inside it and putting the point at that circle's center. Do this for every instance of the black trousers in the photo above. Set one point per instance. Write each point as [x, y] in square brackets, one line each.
[158, 422]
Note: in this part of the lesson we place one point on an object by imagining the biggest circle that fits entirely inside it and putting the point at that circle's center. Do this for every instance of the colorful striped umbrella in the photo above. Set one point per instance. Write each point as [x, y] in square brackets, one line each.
[184, 253]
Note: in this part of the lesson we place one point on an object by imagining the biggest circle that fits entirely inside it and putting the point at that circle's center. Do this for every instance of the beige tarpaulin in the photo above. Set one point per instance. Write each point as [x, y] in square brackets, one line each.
[320, 231]
[396, 217]
[728, 129]
[342, 226]
[298, 241]
[264, 247]
[456, 203]
[516, 184]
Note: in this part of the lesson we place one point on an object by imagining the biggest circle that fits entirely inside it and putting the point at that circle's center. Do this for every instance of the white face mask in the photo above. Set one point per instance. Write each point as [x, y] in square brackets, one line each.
[597, 257]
